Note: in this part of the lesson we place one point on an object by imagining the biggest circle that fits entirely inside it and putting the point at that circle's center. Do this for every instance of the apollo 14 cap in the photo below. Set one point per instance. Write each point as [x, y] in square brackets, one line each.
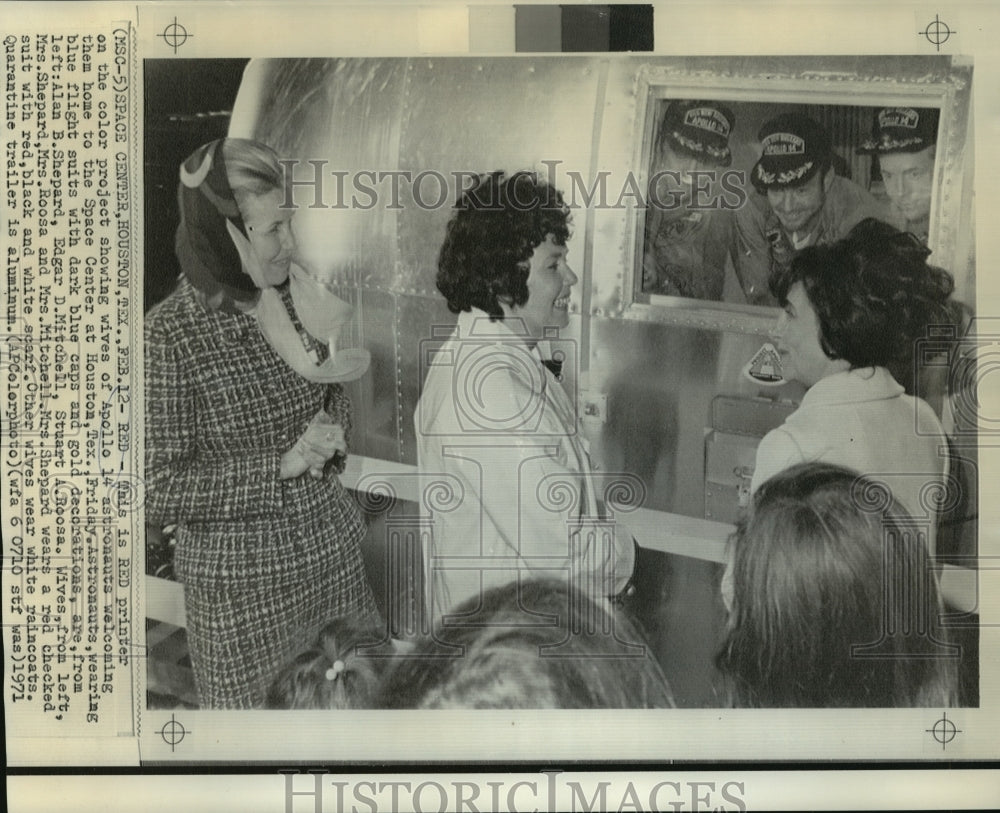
[902, 129]
[699, 129]
[793, 148]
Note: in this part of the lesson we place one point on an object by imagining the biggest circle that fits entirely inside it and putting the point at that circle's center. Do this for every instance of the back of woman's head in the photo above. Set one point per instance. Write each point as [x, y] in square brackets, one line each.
[537, 644]
[834, 603]
[338, 672]
[873, 293]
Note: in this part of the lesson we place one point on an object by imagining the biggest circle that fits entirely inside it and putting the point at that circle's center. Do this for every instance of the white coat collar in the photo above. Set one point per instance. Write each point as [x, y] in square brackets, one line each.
[852, 386]
[512, 331]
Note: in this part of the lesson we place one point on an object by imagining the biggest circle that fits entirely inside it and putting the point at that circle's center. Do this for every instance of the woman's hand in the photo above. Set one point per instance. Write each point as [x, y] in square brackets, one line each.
[321, 441]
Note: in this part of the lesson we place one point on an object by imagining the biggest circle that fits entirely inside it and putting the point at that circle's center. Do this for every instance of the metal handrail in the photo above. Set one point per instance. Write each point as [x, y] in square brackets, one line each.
[655, 530]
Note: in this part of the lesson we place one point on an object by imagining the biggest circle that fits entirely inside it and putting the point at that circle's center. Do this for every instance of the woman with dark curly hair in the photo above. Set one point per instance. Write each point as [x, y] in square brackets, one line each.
[831, 601]
[851, 311]
[493, 418]
[485, 260]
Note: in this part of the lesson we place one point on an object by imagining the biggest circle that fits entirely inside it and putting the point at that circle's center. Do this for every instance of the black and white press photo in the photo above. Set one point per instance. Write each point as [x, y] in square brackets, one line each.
[560, 382]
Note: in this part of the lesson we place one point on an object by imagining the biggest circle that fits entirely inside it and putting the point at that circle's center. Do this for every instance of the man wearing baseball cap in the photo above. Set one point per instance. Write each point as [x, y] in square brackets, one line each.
[688, 234]
[803, 202]
[904, 140]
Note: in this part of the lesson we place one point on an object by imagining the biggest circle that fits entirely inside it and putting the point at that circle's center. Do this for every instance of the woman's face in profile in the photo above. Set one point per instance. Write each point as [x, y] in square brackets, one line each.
[550, 282]
[269, 229]
[796, 335]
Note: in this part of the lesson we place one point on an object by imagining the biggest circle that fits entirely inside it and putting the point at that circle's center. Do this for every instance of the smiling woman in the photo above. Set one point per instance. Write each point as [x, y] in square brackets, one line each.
[549, 282]
[493, 418]
[243, 452]
[797, 338]
[269, 230]
[852, 311]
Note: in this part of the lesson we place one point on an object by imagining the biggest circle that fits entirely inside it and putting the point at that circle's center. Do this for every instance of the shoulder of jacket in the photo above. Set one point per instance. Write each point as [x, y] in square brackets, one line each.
[928, 417]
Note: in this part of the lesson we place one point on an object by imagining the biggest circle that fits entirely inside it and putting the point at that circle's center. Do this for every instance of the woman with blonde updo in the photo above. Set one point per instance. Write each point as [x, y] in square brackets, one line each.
[243, 451]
